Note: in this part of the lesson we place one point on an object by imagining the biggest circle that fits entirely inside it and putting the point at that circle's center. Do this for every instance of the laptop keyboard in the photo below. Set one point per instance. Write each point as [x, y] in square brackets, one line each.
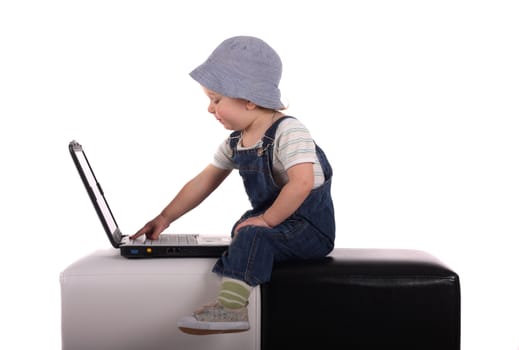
[173, 239]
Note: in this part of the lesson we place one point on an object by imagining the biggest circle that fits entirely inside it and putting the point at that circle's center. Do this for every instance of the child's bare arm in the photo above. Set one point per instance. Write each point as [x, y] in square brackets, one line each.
[292, 195]
[190, 196]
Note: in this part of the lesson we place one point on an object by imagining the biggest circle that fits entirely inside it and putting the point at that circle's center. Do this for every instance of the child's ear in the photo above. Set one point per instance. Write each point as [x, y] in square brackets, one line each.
[250, 106]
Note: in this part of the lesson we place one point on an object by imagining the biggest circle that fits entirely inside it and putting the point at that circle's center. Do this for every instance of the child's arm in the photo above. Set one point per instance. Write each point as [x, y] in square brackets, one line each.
[292, 195]
[190, 196]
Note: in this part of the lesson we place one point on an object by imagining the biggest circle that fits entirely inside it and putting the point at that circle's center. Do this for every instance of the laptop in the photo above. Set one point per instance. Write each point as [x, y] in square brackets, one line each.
[168, 245]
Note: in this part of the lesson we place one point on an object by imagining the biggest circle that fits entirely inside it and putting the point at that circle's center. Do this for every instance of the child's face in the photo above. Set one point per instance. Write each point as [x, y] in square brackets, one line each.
[231, 112]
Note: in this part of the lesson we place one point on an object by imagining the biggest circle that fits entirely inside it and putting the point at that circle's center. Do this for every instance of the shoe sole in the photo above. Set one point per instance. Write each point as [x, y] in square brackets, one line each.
[190, 325]
[195, 331]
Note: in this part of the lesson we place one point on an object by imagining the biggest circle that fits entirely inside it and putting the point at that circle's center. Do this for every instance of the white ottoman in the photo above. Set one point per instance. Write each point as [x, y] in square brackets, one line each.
[109, 302]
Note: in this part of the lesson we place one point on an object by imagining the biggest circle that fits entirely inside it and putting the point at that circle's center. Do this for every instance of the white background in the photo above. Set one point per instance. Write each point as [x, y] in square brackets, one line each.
[415, 103]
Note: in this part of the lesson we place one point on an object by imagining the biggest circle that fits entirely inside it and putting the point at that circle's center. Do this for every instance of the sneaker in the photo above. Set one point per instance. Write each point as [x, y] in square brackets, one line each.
[214, 319]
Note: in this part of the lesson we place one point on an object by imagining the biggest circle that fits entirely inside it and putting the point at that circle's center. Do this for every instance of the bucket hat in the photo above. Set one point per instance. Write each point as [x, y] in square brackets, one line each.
[243, 67]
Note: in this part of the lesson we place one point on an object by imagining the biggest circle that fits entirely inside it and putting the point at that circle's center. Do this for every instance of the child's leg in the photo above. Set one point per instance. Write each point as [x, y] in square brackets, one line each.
[253, 252]
[249, 262]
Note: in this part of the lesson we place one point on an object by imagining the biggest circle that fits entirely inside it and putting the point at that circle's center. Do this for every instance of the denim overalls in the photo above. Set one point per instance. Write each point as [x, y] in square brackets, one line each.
[308, 233]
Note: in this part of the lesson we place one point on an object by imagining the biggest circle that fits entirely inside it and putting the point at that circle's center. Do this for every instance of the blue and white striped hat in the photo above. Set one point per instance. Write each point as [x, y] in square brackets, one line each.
[243, 67]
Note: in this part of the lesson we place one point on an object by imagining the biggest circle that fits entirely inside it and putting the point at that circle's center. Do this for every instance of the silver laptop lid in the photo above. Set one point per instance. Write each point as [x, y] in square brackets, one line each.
[96, 194]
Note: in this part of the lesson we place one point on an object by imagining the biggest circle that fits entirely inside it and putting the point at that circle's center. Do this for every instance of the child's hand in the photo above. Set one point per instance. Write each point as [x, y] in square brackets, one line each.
[153, 228]
[252, 221]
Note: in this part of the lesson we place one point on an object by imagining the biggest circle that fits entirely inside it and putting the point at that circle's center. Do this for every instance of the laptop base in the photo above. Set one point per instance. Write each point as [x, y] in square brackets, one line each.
[133, 251]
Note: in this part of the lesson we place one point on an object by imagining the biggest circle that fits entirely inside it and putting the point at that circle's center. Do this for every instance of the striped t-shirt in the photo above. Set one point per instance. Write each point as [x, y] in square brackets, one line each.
[293, 145]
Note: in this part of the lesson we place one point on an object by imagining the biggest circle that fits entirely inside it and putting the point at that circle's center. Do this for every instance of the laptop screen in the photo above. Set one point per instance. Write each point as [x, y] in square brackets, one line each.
[95, 193]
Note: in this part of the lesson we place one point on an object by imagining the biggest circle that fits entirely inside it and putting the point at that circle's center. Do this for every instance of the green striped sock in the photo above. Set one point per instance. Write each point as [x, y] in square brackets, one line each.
[234, 293]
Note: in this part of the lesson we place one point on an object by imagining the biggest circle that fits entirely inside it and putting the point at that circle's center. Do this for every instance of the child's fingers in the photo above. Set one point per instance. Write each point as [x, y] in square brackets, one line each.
[140, 232]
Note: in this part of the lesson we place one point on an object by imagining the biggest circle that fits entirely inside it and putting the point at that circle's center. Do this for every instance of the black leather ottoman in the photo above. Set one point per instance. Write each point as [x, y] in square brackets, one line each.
[359, 299]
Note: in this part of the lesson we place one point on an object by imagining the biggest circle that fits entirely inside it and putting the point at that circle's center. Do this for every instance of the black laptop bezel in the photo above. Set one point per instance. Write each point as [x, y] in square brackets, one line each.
[74, 148]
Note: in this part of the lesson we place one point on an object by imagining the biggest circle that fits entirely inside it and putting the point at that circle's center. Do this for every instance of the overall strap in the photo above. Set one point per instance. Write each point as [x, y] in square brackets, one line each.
[234, 138]
[270, 134]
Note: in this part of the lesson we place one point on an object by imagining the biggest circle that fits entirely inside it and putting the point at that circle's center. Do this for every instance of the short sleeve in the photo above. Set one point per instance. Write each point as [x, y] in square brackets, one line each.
[223, 156]
[294, 144]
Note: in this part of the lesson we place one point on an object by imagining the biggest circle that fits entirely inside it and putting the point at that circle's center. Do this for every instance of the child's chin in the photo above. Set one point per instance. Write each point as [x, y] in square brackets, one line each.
[228, 127]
